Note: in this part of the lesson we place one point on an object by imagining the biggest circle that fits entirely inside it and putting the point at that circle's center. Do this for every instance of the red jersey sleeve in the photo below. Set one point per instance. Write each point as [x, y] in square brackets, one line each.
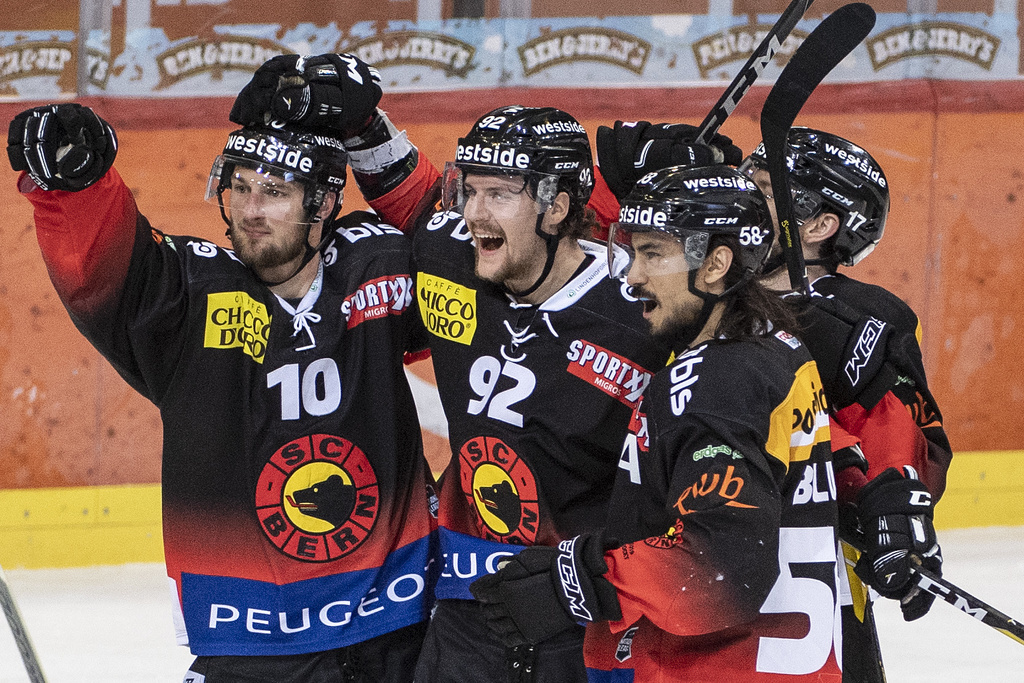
[86, 239]
[405, 204]
[604, 204]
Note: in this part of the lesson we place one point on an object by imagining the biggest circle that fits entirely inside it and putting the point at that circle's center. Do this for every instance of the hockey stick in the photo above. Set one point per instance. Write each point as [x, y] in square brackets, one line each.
[759, 59]
[968, 604]
[963, 601]
[28, 655]
[827, 45]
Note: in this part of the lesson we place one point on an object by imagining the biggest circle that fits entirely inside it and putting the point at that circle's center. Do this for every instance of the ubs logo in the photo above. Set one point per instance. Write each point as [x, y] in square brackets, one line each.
[500, 486]
[317, 498]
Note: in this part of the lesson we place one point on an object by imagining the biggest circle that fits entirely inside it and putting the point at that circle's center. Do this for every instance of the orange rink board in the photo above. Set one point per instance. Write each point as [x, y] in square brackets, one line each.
[955, 232]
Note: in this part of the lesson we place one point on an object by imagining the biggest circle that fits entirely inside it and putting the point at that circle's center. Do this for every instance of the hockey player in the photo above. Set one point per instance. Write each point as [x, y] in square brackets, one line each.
[295, 512]
[893, 467]
[540, 358]
[725, 499]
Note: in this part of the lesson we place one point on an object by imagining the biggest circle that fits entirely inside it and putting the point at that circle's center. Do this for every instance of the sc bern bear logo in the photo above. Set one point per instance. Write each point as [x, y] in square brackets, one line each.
[500, 486]
[317, 498]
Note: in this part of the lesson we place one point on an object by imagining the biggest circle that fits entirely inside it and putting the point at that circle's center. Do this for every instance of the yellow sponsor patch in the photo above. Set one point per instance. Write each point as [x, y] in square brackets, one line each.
[801, 421]
[448, 309]
[236, 320]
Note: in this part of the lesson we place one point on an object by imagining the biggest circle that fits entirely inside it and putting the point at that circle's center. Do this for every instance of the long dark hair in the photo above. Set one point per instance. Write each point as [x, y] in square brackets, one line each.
[753, 311]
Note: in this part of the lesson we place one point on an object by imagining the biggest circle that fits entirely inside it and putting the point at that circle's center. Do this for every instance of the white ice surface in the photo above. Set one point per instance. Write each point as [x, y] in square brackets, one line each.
[113, 624]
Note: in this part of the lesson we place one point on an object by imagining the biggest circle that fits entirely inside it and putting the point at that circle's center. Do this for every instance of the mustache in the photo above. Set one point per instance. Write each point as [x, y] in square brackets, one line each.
[638, 292]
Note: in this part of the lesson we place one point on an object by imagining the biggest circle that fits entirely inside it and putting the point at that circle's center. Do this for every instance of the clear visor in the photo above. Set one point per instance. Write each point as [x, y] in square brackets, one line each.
[498, 194]
[655, 251]
[255, 191]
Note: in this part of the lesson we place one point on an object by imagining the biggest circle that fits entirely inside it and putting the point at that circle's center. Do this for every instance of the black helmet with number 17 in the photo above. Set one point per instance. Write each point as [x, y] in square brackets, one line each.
[829, 174]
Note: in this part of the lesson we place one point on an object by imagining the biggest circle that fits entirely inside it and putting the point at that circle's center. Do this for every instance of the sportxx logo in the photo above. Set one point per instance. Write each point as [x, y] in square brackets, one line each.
[236, 320]
[388, 295]
[448, 309]
[725, 487]
[317, 498]
[500, 486]
[869, 336]
[613, 374]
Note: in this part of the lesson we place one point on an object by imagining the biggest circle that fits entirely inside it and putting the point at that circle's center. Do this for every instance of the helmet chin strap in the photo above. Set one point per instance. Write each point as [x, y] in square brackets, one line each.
[690, 331]
[552, 247]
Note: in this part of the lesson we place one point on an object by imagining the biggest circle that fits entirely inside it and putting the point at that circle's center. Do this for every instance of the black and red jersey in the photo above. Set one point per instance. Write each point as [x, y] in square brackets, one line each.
[905, 427]
[726, 504]
[295, 507]
[538, 397]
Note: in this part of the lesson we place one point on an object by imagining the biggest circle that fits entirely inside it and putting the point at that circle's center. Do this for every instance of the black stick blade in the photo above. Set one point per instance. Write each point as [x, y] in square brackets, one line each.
[827, 45]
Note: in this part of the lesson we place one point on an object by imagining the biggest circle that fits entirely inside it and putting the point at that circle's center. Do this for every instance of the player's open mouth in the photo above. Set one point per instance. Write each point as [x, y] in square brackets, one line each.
[649, 305]
[488, 242]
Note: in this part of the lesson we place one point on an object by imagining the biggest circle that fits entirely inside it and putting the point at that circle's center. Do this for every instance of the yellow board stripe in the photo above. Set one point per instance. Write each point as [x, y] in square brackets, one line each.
[88, 525]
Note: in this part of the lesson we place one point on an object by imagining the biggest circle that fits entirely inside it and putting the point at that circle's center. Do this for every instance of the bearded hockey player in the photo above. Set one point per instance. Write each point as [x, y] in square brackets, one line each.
[719, 557]
[295, 512]
[891, 451]
[540, 360]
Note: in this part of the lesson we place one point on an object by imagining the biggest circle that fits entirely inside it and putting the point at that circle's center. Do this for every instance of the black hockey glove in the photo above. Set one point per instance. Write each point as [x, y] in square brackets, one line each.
[544, 590]
[336, 91]
[62, 146]
[895, 513]
[629, 151]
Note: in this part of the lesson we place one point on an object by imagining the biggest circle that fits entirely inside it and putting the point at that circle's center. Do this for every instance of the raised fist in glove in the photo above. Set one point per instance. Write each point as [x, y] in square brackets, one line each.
[895, 513]
[336, 91]
[62, 146]
[544, 590]
[631, 150]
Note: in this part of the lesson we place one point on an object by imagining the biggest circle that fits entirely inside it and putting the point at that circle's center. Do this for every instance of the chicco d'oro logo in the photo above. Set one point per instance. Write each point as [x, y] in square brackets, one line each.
[317, 498]
[499, 485]
[236, 320]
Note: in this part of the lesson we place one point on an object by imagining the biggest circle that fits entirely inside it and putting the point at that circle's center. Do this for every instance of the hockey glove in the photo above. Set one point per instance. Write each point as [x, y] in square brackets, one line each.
[62, 146]
[335, 91]
[544, 590]
[895, 513]
[629, 151]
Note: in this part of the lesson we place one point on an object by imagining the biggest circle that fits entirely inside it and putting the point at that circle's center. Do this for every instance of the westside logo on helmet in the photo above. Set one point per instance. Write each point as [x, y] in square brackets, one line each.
[558, 127]
[269, 151]
[727, 182]
[495, 155]
[860, 163]
[643, 215]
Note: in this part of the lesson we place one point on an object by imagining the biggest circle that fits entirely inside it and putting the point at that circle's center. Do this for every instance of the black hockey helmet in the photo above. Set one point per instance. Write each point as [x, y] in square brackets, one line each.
[316, 160]
[831, 174]
[545, 144]
[694, 205]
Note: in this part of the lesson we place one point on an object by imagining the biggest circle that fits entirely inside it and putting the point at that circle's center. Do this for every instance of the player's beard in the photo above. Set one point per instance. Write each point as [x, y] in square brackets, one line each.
[672, 321]
[266, 256]
[513, 267]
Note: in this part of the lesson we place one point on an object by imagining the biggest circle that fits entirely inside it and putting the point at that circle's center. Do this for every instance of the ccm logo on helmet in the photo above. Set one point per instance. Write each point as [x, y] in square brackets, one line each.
[498, 155]
[643, 216]
[829, 192]
[721, 221]
[270, 151]
[566, 165]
